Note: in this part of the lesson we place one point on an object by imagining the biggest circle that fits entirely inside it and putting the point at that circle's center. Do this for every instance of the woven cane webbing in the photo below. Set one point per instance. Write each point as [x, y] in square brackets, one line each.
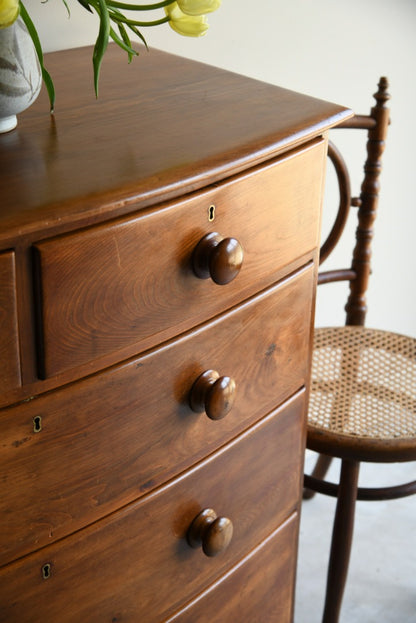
[363, 383]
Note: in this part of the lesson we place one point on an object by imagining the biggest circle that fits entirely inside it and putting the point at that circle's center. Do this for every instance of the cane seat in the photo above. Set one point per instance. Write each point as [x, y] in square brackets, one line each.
[363, 394]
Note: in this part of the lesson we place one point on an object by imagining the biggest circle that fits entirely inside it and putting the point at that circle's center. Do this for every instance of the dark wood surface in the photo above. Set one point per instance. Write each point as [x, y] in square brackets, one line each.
[9, 337]
[160, 129]
[137, 273]
[104, 463]
[136, 565]
[269, 570]
[126, 431]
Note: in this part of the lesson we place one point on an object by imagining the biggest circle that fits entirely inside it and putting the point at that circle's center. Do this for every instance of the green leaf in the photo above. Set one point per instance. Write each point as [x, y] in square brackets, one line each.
[123, 42]
[36, 41]
[67, 7]
[120, 19]
[139, 34]
[102, 40]
[86, 5]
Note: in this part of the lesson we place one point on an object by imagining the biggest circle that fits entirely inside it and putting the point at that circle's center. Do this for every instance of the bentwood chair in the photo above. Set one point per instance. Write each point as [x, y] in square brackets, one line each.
[363, 388]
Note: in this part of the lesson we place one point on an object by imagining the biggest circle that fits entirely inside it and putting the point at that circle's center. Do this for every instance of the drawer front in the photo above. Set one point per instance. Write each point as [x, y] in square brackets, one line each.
[259, 589]
[136, 565]
[116, 289]
[9, 340]
[72, 456]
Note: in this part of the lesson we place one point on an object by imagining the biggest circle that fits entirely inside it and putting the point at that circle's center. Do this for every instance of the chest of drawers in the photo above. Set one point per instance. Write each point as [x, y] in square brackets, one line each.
[158, 253]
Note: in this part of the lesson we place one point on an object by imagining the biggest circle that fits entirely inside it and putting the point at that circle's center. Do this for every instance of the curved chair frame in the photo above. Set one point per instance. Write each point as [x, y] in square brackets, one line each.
[330, 445]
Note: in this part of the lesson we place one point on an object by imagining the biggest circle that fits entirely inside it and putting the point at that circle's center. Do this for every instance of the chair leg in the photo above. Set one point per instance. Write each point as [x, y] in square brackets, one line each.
[341, 540]
[322, 465]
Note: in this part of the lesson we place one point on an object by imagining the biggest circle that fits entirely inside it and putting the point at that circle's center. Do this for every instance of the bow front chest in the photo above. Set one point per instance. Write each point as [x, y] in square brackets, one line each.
[158, 259]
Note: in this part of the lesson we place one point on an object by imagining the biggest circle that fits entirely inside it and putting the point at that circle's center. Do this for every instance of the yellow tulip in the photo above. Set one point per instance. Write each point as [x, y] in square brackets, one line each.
[183, 24]
[198, 7]
[9, 12]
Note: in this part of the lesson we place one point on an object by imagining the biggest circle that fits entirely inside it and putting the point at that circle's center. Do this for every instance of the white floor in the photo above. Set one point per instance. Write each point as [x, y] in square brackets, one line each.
[381, 586]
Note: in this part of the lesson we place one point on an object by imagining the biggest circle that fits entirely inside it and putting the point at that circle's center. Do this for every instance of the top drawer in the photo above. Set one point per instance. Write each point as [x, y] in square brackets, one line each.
[129, 284]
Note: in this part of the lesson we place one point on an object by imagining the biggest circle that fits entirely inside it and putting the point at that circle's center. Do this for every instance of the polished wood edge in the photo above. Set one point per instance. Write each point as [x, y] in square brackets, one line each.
[294, 517]
[299, 395]
[40, 387]
[364, 449]
[368, 494]
[124, 202]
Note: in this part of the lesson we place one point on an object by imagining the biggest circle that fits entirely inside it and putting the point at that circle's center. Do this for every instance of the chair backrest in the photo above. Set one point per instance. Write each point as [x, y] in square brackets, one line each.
[375, 124]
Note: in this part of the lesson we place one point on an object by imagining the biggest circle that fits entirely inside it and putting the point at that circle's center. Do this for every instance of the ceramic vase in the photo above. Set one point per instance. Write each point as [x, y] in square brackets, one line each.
[20, 73]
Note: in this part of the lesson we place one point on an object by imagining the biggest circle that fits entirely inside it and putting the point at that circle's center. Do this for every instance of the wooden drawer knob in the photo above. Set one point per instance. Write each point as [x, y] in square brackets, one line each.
[213, 533]
[217, 257]
[213, 394]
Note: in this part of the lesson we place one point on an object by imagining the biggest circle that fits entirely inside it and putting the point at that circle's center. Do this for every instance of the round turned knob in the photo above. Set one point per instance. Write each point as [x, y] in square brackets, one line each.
[213, 394]
[212, 532]
[217, 257]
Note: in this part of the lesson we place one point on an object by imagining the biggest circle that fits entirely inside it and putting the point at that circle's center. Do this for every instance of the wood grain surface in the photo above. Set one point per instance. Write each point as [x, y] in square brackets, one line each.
[137, 565]
[9, 337]
[258, 589]
[129, 285]
[113, 437]
[162, 127]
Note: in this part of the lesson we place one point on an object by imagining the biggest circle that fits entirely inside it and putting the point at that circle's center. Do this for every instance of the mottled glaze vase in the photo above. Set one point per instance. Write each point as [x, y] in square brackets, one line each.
[20, 73]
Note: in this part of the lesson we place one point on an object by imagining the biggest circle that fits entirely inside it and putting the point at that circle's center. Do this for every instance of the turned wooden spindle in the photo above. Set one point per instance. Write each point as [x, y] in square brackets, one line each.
[367, 203]
[213, 394]
[210, 532]
[217, 257]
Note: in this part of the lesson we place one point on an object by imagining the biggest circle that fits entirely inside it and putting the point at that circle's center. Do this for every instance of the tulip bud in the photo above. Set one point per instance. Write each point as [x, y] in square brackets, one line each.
[9, 12]
[198, 7]
[183, 24]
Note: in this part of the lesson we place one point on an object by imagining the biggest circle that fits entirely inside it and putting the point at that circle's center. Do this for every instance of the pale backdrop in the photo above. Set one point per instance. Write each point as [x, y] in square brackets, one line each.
[332, 49]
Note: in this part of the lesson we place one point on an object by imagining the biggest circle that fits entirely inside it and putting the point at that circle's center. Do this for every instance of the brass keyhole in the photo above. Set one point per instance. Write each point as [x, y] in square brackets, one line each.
[211, 213]
[37, 424]
[46, 571]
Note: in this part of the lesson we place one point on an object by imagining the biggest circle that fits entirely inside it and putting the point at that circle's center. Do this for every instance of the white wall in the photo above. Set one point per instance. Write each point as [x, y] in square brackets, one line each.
[332, 49]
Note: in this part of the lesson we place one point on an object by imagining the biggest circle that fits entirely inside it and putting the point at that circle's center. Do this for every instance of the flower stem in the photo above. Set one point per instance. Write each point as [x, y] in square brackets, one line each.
[138, 7]
[119, 17]
[126, 20]
[113, 10]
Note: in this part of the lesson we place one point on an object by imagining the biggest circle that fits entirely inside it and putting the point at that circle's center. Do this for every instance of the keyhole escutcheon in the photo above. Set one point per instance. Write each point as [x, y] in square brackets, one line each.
[46, 571]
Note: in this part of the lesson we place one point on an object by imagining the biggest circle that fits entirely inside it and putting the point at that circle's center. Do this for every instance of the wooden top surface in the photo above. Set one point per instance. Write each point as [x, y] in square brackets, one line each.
[162, 127]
